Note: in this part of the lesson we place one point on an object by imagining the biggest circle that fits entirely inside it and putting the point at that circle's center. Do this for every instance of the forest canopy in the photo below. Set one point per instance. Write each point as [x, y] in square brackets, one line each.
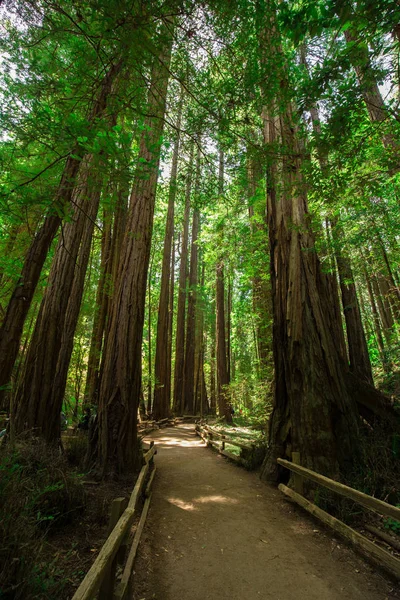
[199, 214]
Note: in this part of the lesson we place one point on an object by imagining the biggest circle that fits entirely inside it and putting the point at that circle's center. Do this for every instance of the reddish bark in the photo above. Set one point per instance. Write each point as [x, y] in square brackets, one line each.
[180, 317]
[116, 449]
[162, 389]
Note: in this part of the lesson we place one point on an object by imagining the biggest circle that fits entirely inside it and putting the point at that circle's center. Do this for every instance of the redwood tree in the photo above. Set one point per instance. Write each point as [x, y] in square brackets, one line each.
[162, 370]
[114, 448]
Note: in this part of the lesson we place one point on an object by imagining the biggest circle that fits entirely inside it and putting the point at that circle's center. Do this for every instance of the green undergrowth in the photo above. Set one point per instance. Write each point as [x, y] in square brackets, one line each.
[40, 496]
[241, 431]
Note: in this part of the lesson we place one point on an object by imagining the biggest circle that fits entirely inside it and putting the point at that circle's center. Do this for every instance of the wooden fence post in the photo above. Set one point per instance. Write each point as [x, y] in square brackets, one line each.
[106, 591]
[297, 479]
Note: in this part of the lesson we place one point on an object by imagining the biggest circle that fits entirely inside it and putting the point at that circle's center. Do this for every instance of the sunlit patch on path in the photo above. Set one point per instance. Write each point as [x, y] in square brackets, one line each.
[215, 531]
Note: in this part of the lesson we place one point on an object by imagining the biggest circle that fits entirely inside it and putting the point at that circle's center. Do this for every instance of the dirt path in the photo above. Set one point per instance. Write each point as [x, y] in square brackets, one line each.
[215, 532]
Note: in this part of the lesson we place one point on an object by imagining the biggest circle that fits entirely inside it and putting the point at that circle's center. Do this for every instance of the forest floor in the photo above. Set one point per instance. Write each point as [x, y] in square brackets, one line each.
[215, 530]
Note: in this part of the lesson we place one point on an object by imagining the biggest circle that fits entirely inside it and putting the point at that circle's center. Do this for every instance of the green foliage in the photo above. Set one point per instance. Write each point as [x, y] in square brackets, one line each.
[392, 524]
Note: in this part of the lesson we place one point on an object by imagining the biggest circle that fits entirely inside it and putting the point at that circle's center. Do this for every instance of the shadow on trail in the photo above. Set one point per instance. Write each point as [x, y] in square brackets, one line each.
[216, 531]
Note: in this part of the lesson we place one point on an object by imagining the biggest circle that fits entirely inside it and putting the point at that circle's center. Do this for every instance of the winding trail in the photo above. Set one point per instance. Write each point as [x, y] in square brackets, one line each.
[215, 532]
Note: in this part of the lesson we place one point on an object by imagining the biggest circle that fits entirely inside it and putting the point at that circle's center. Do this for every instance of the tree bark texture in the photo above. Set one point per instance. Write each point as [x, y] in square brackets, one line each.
[171, 325]
[181, 313]
[224, 408]
[21, 298]
[313, 412]
[213, 386]
[222, 367]
[360, 363]
[162, 388]
[40, 394]
[117, 449]
[100, 315]
[189, 368]
[262, 304]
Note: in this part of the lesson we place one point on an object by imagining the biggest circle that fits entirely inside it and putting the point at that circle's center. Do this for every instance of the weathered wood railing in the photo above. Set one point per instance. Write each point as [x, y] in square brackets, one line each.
[149, 425]
[378, 554]
[219, 440]
[102, 575]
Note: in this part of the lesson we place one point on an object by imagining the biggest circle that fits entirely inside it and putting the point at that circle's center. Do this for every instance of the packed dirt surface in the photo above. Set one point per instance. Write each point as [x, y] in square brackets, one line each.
[215, 532]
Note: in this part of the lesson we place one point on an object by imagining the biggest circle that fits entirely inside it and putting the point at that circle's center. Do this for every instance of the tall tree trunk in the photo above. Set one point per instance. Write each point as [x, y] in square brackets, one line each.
[189, 369]
[149, 341]
[377, 325]
[40, 395]
[100, 315]
[371, 94]
[222, 363]
[116, 449]
[162, 399]
[262, 304]
[383, 307]
[313, 411]
[199, 347]
[222, 367]
[360, 363]
[8, 248]
[20, 301]
[228, 326]
[180, 317]
[170, 325]
[333, 290]
[213, 386]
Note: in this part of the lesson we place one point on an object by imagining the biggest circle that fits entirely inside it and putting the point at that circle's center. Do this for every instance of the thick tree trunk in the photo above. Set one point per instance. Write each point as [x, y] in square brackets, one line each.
[21, 298]
[313, 411]
[180, 317]
[357, 345]
[18, 306]
[74, 303]
[162, 396]
[116, 450]
[40, 395]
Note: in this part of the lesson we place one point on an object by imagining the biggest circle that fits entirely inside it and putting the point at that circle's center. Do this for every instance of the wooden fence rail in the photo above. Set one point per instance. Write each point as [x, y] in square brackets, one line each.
[218, 440]
[379, 555]
[101, 576]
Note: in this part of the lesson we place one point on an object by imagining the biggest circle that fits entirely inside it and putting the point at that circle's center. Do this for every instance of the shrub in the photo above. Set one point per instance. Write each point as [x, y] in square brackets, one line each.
[38, 494]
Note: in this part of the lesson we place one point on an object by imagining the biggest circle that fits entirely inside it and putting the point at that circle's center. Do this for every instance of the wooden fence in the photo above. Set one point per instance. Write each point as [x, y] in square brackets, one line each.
[101, 578]
[146, 426]
[376, 553]
[251, 454]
